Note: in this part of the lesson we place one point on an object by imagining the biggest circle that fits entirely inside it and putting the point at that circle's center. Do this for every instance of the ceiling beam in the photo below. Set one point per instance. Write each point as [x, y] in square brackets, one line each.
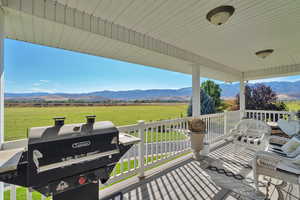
[59, 13]
[279, 71]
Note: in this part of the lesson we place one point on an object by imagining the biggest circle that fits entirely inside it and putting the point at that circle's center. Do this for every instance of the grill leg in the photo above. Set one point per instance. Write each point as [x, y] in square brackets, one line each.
[87, 192]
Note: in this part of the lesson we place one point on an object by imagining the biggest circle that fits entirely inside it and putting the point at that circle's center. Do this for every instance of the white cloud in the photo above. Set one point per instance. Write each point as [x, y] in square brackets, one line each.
[44, 81]
[36, 89]
[40, 82]
[36, 84]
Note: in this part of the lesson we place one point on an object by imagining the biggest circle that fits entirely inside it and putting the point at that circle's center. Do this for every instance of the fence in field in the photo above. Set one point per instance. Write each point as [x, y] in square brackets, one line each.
[160, 141]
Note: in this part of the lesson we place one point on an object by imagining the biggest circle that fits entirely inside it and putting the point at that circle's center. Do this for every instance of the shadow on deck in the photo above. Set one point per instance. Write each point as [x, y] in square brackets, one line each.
[185, 178]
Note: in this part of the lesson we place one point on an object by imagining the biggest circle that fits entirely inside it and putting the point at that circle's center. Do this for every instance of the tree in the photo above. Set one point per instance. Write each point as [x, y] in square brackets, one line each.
[261, 97]
[213, 90]
[207, 104]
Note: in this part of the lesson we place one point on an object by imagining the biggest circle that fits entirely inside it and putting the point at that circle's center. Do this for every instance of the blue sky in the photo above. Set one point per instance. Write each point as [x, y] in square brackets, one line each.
[34, 68]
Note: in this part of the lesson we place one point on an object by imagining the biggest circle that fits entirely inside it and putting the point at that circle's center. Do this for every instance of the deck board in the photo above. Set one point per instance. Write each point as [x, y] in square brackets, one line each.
[184, 179]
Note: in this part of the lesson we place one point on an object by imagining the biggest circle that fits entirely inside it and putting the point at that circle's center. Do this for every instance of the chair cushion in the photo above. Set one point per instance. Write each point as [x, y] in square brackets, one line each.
[292, 147]
[296, 160]
[290, 127]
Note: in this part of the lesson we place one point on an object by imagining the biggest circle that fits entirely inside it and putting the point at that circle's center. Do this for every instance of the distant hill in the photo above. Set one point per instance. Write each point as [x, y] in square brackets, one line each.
[285, 90]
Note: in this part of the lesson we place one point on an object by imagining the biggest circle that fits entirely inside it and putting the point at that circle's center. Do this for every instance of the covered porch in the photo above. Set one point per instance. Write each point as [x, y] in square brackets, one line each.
[174, 36]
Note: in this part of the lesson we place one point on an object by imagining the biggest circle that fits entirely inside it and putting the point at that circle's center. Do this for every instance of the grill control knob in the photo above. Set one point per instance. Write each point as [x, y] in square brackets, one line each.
[82, 180]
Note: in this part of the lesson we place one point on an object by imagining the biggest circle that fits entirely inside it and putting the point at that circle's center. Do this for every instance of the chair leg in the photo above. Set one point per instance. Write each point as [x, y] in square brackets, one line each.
[255, 174]
[235, 148]
[256, 178]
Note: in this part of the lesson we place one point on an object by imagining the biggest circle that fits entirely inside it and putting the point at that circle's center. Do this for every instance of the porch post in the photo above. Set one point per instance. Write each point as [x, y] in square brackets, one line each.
[242, 97]
[1, 89]
[196, 105]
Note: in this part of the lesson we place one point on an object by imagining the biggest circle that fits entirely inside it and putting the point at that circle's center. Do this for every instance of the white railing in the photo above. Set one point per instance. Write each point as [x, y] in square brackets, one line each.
[268, 115]
[161, 141]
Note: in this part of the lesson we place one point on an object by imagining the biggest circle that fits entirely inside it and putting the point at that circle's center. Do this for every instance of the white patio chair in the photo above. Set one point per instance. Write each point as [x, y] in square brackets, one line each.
[251, 134]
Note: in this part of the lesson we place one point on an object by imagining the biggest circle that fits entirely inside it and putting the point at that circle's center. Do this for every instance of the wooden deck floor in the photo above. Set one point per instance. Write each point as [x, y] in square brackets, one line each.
[186, 178]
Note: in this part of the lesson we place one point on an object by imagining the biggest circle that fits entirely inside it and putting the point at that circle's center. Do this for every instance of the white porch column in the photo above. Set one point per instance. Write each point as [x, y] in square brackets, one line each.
[196, 91]
[1, 89]
[242, 97]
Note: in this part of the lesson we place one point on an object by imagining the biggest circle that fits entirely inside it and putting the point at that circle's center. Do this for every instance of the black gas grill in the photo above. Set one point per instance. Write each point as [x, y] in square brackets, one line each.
[66, 161]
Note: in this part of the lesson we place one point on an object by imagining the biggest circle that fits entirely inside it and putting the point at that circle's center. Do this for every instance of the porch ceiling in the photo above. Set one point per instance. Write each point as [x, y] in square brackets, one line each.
[170, 35]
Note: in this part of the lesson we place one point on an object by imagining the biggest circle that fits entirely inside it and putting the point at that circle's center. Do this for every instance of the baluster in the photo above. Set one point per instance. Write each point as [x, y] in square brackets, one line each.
[129, 155]
[174, 138]
[29, 195]
[141, 149]
[135, 155]
[122, 165]
[265, 117]
[114, 172]
[147, 145]
[186, 137]
[161, 142]
[13, 192]
[170, 140]
[210, 128]
[152, 143]
[165, 142]
[178, 137]
[156, 142]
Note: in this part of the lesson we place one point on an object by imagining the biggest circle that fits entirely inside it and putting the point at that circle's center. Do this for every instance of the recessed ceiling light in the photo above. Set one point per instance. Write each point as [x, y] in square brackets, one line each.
[220, 15]
[264, 53]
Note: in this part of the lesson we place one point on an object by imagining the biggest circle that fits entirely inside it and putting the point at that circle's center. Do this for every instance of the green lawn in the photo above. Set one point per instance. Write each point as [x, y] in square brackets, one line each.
[18, 119]
[293, 105]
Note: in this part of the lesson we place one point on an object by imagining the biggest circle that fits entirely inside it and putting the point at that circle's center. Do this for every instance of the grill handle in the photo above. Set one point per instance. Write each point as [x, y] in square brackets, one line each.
[90, 119]
[59, 121]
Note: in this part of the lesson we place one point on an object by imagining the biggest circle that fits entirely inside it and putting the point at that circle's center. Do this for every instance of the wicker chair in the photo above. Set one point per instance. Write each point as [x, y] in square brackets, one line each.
[250, 133]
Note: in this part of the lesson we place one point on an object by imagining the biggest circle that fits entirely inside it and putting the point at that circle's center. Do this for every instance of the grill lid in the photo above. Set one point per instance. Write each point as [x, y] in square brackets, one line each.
[69, 131]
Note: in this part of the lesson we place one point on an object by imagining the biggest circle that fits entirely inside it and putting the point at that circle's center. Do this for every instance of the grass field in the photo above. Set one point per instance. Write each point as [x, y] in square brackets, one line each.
[293, 105]
[18, 119]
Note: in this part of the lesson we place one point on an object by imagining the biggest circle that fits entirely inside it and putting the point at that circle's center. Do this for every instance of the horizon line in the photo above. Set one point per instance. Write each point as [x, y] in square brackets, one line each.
[111, 90]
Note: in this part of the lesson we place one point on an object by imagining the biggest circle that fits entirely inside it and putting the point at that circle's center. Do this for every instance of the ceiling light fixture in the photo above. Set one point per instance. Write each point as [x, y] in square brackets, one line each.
[220, 15]
[264, 53]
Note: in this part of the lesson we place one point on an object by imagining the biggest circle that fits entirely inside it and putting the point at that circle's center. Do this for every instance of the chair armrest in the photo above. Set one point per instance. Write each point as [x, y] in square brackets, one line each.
[234, 132]
[268, 160]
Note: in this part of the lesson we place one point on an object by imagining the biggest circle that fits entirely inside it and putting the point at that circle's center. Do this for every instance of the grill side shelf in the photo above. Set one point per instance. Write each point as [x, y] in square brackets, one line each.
[9, 159]
[126, 139]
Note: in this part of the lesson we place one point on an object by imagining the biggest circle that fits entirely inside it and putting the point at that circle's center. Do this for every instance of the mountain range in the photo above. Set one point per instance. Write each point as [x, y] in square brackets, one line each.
[284, 90]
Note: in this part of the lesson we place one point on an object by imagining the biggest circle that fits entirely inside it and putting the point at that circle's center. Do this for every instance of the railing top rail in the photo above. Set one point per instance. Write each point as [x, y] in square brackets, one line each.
[212, 115]
[131, 127]
[165, 122]
[269, 111]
